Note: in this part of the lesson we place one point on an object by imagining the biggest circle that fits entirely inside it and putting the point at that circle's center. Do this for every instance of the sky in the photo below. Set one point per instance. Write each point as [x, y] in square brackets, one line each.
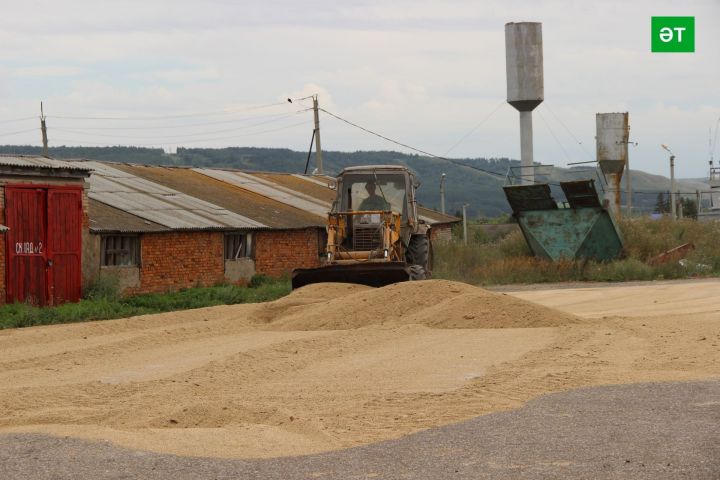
[429, 74]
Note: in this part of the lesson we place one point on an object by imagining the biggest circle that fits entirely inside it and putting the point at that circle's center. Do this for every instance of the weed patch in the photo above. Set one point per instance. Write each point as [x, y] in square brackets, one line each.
[101, 302]
[509, 260]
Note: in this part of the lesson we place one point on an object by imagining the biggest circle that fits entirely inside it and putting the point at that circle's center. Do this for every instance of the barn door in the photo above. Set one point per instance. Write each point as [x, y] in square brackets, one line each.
[26, 217]
[64, 240]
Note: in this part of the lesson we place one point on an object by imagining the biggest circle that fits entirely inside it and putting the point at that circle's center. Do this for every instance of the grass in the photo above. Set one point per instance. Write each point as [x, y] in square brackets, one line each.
[509, 260]
[102, 302]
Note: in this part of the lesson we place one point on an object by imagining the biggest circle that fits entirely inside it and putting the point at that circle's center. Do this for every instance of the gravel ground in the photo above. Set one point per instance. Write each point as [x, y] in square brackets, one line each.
[653, 431]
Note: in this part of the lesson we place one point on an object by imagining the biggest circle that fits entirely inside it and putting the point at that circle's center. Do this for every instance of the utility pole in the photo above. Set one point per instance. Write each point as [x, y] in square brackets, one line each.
[465, 205]
[628, 187]
[318, 148]
[673, 205]
[672, 187]
[43, 129]
[442, 193]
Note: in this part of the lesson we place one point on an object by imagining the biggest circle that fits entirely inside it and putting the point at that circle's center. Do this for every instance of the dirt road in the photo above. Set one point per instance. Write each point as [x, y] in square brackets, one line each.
[333, 366]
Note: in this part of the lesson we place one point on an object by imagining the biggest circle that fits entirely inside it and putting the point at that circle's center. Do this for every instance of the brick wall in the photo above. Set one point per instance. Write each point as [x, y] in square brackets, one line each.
[278, 252]
[171, 261]
[441, 233]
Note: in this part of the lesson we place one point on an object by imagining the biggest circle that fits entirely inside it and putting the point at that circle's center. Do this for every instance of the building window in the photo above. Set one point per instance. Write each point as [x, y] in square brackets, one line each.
[238, 245]
[120, 250]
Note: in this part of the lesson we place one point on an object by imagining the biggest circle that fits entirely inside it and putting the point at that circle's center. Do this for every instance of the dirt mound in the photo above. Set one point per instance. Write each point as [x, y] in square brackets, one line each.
[308, 295]
[435, 303]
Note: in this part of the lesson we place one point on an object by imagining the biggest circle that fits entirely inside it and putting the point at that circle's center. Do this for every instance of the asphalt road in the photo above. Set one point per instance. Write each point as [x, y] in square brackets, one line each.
[653, 431]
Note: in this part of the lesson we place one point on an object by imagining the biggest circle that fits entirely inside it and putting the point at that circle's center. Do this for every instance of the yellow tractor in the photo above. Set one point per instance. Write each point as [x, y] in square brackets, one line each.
[374, 234]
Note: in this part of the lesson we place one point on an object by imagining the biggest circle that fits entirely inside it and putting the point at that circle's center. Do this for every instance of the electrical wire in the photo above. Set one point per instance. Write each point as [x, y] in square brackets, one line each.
[462, 139]
[226, 130]
[188, 125]
[11, 120]
[546, 106]
[488, 172]
[190, 141]
[166, 117]
[459, 163]
[547, 125]
[7, 134]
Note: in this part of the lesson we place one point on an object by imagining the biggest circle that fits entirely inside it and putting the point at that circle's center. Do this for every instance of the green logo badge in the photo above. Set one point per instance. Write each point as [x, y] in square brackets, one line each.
[673, 34]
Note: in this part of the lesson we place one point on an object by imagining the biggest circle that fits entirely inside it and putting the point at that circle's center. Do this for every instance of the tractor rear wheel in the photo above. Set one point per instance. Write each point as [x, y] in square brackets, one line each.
[419, 253]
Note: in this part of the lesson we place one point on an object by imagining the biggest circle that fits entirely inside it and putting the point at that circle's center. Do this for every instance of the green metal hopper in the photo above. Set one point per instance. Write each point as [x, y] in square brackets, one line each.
[580, 229]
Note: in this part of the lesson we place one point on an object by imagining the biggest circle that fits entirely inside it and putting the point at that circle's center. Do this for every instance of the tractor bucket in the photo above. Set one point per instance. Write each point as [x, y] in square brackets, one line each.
[583, 229]
[373, 274]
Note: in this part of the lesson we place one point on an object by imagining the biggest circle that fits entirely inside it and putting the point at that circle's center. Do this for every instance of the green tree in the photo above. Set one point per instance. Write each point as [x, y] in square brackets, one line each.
[662, 204]
[690, 209]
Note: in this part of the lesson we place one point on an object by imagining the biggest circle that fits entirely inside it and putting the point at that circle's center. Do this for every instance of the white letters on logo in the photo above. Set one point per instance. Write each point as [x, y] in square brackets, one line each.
[679, 31]
[666, 34]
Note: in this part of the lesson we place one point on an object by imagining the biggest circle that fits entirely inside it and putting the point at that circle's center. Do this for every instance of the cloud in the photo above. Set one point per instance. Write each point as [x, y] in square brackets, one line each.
[422, 71]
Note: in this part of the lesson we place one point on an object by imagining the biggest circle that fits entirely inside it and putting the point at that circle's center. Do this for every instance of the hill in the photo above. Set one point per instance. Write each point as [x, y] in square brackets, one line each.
[465, 184]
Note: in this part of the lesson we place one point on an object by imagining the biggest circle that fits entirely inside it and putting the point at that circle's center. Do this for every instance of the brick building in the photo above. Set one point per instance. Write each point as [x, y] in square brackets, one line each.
[156, 229]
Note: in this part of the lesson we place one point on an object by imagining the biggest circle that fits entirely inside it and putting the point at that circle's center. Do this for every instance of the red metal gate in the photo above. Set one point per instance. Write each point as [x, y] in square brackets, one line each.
[25, 214]
[64, 243]
[43, 244]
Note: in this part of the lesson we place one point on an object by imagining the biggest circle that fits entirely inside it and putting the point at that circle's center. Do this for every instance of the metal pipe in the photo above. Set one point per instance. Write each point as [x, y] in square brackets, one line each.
[442, 193]
[526, 148]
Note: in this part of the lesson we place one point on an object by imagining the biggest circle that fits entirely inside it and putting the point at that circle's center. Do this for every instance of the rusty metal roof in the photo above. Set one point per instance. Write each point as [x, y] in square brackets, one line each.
[156, 203]
[227, 194]
[434, 217]
[105, 218]
[35, 161]
[319, 188]
[267, 188]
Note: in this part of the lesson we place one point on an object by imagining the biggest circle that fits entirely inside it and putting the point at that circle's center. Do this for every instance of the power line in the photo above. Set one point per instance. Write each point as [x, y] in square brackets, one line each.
[185, 135]
[547, 125]
[11, 120]
[6, 134]
[462, 139]
[201, 124]
[488, 172]
[167, 117]
[545, 105]
[189, 141]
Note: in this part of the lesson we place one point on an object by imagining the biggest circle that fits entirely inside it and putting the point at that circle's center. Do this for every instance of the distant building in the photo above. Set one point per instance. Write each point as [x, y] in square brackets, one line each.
[155, 228]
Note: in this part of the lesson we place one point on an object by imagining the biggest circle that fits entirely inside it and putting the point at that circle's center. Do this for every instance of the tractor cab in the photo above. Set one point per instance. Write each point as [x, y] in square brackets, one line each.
[374, 236]
[382, 188]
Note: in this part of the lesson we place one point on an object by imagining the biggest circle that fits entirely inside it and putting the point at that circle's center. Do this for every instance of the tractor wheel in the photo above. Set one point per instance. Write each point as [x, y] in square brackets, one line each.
[419, 253]
[417, 273]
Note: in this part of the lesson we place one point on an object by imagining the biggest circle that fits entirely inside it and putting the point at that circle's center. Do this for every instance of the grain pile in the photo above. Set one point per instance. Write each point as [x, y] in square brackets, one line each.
[434, 303]
[334, 365]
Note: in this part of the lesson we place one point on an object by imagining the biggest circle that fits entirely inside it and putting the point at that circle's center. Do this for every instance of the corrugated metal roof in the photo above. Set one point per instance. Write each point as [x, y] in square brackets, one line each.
[433, 217]
[269, 189]
[105, 218]
[159, 204]
[34, 161]
[305, 184]
[263, 209]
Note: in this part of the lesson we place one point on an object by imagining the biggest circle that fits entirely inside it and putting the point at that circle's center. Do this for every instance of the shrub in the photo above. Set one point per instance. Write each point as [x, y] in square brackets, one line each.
[509, 259]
